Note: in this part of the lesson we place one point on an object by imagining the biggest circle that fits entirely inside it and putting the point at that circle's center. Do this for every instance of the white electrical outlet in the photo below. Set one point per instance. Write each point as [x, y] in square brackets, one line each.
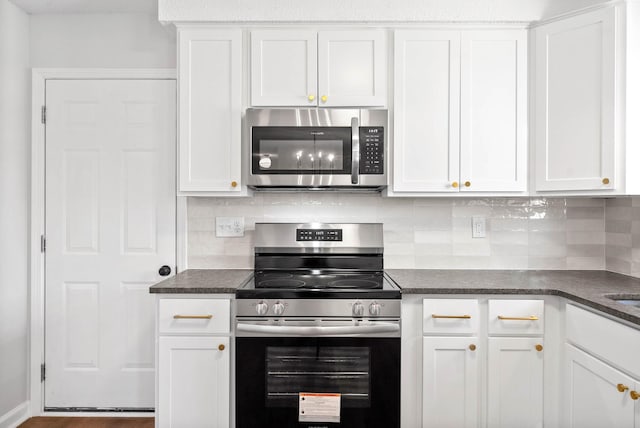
[478, 227]
[229, 227]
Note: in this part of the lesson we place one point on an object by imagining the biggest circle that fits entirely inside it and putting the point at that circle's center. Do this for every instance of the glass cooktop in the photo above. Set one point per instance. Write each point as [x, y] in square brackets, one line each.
[309, 284]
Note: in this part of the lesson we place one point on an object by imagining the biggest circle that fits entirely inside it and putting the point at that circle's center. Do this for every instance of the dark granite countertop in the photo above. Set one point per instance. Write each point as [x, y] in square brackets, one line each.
[203, 281]
[590, 288]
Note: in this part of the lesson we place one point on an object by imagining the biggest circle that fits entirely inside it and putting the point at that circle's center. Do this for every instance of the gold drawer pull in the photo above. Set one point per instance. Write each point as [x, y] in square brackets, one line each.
[605, 181]
[192, 317]
[221, 347]
[531, 318]
[539, 348]
[472, 347]
[634, 395]
[622, 388]
[461, 317]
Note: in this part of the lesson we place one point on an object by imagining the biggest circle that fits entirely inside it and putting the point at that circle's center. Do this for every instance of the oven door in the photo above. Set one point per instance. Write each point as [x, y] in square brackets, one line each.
[361, 375]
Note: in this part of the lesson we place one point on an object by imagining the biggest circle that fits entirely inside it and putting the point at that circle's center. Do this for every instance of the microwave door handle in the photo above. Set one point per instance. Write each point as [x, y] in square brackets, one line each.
[355, 150]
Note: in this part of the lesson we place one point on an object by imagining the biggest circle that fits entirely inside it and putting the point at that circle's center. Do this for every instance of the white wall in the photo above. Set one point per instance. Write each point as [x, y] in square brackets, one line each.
[365, 10]
[14, 210]
[127, 40]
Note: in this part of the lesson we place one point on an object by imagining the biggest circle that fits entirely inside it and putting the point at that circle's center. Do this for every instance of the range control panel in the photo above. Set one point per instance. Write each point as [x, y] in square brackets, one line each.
[371, 150]
[318, 234]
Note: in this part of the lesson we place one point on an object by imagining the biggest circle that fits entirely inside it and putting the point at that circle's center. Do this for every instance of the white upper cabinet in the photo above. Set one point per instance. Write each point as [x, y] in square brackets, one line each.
[325, 68]
[426, 109]
[284, 68]
[493, 111]
[209, 110]
[576, 103]
[460, 111]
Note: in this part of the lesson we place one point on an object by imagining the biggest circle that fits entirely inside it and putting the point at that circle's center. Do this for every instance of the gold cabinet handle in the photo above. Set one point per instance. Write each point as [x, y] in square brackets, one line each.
[472, 347]
[221, 347]
[234, 184]
[605, 181]
[539, 347]
[311, 97]
[531, 318]
[192, 317]
[467, 184]
[461, 317]
[634, 395]
[622, 388]
[323, 98]
[455, 184]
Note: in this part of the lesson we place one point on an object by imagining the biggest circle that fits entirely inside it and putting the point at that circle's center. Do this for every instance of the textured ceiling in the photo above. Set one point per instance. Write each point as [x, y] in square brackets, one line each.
[87, 6]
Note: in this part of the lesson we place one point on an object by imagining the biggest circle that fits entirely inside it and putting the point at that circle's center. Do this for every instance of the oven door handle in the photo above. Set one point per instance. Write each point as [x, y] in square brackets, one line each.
[355, 150]
[381, 327]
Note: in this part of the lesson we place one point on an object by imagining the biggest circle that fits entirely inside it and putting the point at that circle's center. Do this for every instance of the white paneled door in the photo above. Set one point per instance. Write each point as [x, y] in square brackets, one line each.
[110, 226]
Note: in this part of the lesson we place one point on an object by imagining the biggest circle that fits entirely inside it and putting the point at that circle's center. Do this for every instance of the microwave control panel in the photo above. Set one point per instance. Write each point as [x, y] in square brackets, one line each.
[371, 150]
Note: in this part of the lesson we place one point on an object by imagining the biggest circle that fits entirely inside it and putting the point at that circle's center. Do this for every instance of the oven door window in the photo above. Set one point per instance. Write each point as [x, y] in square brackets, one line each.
[271, 372]
[294, 369]
[300, 150]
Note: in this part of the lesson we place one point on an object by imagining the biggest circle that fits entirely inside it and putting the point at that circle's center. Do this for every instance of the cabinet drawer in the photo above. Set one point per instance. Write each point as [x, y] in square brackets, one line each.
[450, 316]
[194, 316]
[612, 341]
[516, 317]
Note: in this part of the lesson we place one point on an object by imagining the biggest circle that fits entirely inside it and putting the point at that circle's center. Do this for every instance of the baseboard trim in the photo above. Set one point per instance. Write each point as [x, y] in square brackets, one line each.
[99, 414]
[16, 416]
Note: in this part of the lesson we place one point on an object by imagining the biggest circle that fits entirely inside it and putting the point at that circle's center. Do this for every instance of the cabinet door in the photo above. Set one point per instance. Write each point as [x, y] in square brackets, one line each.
[209, 109]
[193, 382]
[515, 382]
[593, 398]
[284, 69]
[493, 113]
[352, 68]
[426, 117]
[575, 102]
[450, 392]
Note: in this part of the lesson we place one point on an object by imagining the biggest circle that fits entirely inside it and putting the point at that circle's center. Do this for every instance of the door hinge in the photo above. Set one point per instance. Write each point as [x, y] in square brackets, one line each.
[42, 372]
[43, 244]
[43, 117]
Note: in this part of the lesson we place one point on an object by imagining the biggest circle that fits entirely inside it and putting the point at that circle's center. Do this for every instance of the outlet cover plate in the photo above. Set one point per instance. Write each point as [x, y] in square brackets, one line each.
[229, 227]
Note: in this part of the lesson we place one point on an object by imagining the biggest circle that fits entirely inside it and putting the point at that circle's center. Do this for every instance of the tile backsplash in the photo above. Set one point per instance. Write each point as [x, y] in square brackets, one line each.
[622, 235]
[433, 233]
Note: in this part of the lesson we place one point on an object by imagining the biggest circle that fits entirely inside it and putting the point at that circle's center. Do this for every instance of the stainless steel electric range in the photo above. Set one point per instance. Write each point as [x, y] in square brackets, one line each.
[318, 330]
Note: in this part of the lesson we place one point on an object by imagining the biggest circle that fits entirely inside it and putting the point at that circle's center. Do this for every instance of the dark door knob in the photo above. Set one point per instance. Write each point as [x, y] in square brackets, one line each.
[164, 270]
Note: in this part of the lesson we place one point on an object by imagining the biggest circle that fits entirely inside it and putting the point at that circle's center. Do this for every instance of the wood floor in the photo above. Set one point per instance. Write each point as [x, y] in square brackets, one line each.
[81, 422]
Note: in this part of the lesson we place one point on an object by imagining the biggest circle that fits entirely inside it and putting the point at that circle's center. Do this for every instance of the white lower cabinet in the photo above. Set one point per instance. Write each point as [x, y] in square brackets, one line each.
[602, 371]
[515, 382]
[482, 362]
[597, 394]
[194, 364]
[193, 389]
[450, 379]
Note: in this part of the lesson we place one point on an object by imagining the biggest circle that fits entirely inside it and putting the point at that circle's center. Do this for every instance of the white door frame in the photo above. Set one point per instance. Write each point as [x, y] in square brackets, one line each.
[36, 266]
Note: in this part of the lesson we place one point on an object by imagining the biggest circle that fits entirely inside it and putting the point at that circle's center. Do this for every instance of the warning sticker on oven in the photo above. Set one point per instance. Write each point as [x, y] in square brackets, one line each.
[319, 407]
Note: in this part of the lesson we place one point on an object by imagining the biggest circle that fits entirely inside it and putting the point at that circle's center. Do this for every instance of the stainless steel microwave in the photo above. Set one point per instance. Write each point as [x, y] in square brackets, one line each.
[317, 148]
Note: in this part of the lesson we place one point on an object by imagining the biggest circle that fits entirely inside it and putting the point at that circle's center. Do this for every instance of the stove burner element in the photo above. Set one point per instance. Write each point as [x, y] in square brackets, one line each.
[281, 283]
[274, 275]
[354, 283]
